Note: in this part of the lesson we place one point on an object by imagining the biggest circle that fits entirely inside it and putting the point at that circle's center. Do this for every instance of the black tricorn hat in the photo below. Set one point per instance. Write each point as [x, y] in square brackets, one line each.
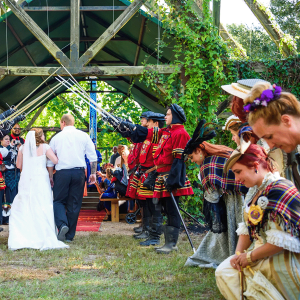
[202, 133]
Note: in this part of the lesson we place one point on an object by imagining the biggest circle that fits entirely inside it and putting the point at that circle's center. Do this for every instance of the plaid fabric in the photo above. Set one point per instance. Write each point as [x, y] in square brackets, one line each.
[284, 199]
[212, 176]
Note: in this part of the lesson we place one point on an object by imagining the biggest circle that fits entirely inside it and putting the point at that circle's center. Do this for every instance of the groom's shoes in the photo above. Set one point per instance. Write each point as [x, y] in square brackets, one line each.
[62, 232]
[1, 229]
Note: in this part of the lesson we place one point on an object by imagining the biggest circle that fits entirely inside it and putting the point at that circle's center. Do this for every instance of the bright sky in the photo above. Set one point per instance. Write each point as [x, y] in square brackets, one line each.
[237, 11]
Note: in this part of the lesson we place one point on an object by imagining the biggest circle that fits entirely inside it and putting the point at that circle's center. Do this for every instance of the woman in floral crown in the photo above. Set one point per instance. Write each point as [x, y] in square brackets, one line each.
[243, 91]
[274, 115]
[223, 199]
[271, 219]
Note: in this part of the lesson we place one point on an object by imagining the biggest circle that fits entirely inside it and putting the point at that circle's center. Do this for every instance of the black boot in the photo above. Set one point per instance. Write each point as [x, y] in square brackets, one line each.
[146, 227]
[155, 232]
[138, 229]
[171, 238]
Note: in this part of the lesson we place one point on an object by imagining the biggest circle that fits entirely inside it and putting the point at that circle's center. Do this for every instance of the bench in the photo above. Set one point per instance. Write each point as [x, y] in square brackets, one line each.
[115, 216]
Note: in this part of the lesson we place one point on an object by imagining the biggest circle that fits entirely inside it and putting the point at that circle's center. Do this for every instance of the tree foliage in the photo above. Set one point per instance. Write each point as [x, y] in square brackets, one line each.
[287, 15]
[255, 41]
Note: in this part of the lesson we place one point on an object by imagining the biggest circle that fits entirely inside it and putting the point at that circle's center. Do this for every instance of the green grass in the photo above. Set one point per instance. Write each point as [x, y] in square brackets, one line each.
[103, 267]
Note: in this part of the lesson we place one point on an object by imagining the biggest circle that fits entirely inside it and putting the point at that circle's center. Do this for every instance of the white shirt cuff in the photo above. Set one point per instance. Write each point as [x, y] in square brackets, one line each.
[283, 239]
[50, 163]
[242, 229]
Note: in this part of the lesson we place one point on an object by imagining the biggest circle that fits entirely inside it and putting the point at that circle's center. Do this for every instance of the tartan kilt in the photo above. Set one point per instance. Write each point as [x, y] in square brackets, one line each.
[160, 190]
[132, 188]
[2, 182]
[143, 192]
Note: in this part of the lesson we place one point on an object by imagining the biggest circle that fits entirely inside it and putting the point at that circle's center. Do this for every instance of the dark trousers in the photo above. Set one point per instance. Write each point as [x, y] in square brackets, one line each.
[68, 193]
[144, 206]
[155, 210]
[171, 211]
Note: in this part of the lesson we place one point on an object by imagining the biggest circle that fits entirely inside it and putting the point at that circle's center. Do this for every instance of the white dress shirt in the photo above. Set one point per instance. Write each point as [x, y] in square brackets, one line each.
[118, 162]
[70, 146]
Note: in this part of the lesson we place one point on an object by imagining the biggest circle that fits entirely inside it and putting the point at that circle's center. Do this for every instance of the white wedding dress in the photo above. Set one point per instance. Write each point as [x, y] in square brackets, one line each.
[31, 223]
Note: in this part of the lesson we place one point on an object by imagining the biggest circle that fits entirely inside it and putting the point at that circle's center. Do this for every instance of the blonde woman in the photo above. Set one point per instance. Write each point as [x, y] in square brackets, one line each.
[32, 219]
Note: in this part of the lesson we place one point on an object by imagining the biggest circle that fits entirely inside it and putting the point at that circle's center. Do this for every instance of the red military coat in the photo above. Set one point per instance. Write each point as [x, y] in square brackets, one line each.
[148, 149]
[133, 160]
[172, 141]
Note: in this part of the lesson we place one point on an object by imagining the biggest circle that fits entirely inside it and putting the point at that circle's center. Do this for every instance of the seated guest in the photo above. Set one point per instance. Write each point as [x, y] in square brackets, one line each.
[88, 168]
[110, 192]
[271, 219]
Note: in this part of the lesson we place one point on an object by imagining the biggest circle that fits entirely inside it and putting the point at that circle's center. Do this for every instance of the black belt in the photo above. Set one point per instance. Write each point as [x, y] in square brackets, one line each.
[78, 168]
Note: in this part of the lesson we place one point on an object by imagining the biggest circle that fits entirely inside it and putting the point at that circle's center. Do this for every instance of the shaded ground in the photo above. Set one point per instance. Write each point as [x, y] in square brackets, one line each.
[108, 264]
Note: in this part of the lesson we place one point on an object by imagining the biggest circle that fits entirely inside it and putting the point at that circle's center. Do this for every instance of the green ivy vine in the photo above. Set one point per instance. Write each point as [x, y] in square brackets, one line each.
[203, 59]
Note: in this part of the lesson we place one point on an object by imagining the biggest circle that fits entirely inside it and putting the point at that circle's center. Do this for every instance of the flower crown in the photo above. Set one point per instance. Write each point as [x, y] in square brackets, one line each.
[264, 99]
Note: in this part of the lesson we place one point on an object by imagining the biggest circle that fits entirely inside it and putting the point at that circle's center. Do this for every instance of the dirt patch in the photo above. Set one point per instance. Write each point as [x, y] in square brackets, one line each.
[8, 273]
[120, 228]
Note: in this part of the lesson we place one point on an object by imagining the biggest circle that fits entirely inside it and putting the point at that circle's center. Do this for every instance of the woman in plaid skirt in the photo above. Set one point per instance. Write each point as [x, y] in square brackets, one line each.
[223, 198]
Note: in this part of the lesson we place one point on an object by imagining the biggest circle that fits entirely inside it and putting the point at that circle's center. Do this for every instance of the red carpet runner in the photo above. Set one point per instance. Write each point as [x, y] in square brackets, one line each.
[90, 220]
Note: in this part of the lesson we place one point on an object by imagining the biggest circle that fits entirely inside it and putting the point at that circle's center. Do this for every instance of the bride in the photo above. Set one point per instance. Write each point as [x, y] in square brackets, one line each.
[31, 222]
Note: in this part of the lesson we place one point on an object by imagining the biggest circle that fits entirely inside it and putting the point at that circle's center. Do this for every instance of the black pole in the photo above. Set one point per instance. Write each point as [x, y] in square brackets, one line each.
[172, 196]
[191, 216]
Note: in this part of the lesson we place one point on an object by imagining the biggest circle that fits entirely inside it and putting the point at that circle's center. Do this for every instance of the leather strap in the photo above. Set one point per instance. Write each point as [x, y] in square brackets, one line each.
[155, 168]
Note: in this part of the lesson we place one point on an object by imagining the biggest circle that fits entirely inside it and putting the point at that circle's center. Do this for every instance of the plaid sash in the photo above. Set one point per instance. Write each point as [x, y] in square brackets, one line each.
[212, 176]
[284, 199]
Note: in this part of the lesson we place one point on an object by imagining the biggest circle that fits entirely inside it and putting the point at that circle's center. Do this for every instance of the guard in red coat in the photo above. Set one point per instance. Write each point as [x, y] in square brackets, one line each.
[133, 183]
[170, 168]
[155, 121]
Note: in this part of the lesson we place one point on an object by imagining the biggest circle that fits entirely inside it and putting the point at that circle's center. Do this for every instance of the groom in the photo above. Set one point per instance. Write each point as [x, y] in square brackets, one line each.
[70, 146]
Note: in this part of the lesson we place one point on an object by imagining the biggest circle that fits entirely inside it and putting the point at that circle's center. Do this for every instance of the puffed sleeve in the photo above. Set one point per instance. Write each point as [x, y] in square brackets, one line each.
[242, 229]
[276, 235]
[4, 151]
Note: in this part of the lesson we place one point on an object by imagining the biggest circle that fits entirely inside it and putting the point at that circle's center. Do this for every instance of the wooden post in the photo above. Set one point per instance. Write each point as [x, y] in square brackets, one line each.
[112, 30]
[216, 13]
[75, 31]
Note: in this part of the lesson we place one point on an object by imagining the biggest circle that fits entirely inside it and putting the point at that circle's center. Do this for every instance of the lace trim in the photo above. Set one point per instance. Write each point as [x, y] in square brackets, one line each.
[283, 239]
[213, 196]
[242, 229]
[269, 178]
